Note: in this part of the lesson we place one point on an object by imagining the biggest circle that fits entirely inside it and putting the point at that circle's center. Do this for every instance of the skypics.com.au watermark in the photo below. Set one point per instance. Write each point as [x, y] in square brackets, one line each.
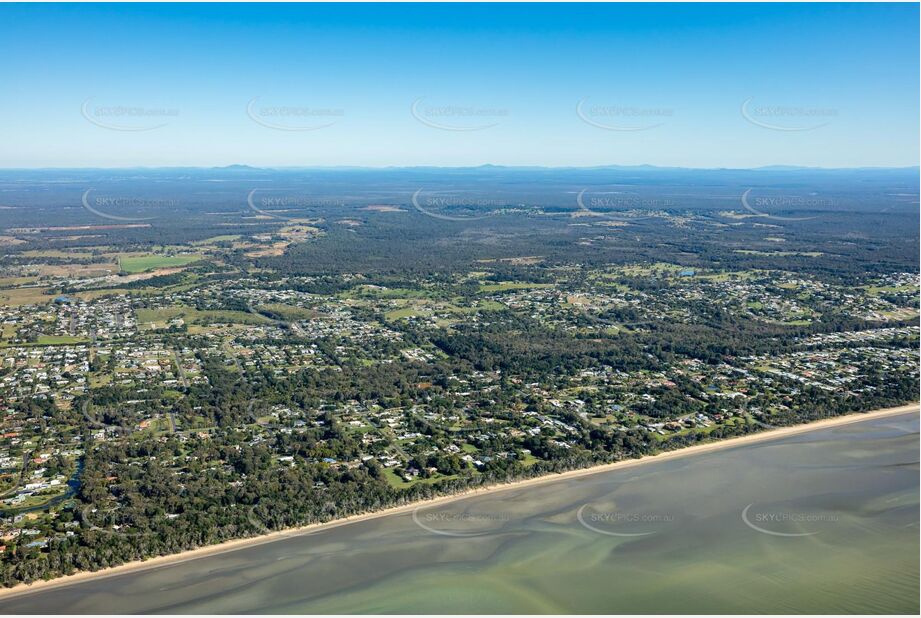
[786, 523]
[631, 207]
[623, 523]
[625, 118]
[787, 118]
[462, 524]
[105, 205]
[128, 118]
[439, 204]
[762, 206]
[292, 118]
[277, 206]
[457, 117]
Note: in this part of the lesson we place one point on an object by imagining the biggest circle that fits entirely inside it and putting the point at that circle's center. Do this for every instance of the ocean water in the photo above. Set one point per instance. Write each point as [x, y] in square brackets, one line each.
[821, 522]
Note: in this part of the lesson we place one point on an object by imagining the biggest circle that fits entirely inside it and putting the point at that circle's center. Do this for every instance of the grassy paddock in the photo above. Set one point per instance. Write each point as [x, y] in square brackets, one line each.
[133, 264]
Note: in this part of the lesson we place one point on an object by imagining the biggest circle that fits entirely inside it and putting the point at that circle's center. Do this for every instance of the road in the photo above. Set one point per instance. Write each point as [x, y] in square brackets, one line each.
[179, 370]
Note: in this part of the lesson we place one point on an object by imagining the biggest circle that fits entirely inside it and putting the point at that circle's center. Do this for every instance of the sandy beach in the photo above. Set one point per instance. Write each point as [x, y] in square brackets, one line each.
[275, 536]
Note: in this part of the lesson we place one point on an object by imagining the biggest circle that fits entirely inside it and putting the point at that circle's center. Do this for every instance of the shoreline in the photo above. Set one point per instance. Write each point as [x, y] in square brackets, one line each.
[234, 545]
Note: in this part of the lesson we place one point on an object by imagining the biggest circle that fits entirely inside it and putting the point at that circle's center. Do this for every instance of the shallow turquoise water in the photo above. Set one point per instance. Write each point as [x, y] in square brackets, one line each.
[823, 522]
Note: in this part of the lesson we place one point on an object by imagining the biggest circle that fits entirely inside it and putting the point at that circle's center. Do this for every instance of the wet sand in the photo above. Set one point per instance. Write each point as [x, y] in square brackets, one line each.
[233, 546]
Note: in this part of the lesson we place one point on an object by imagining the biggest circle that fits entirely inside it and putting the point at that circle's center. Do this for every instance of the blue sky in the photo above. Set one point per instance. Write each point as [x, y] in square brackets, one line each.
[831, 85]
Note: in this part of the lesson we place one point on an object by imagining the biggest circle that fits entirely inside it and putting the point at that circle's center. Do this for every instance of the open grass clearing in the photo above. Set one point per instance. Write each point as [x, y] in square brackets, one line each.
[143, 263]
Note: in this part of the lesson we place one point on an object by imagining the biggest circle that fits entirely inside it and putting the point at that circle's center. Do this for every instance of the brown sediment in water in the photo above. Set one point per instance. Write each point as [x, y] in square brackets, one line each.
[230, 546]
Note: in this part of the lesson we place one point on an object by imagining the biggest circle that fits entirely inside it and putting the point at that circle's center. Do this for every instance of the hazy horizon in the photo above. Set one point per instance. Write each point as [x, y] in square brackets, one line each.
[243, 166]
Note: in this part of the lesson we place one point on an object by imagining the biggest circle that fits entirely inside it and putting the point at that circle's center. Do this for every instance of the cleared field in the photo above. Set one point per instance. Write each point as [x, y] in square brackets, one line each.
[99, 293]
[900, 314]
[143, 263]
[152, 319]
[405, 313]
[78, 270]
[25, 296]
[371, 291]
[781, 253]
[398, 482]
[876, 290]
[479, 305]
[729, 275]
[13, 281]
[420, 308]
[220, 238]
[59, 340]
[57, 253]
